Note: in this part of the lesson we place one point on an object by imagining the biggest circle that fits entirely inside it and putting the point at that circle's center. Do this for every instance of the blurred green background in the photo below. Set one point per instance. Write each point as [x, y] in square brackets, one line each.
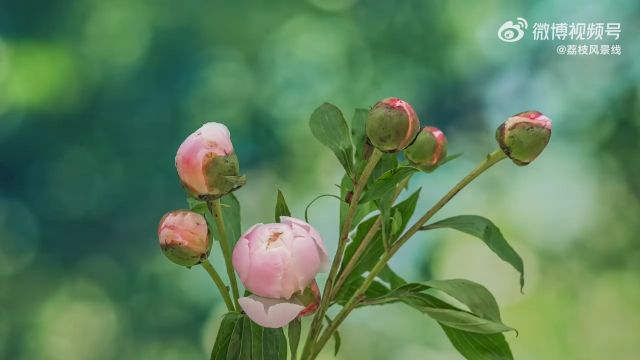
[96, 96]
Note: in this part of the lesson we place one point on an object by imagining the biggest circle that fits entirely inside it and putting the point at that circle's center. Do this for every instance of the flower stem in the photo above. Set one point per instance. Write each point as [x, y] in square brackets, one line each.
[346, 271]
[216, 211]
[489, 161]
[219, 283]
[344, 235]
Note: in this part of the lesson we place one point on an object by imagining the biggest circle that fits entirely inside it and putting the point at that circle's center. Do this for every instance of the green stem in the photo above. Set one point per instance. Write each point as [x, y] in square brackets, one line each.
[216, 211]
[346, 271]
[342, 241]
[219, 283]
[489, 161]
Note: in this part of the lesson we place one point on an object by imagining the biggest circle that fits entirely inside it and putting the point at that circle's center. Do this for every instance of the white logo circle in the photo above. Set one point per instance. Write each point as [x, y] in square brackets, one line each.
[512, 32]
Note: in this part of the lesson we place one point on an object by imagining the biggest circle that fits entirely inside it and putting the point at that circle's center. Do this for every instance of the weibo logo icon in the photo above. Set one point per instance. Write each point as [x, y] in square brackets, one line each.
[512, 32]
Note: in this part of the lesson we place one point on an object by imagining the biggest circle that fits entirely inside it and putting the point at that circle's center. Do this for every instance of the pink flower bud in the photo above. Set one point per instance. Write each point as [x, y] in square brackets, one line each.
[392, 125]
[184, 237]
[524, 136]
[207, 164]
[429, 148]
[277, 263]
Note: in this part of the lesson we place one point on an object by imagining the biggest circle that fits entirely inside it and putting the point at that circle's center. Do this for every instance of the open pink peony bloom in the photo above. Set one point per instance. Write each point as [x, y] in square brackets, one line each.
[277, 262]
[206, 162]
[184, 237]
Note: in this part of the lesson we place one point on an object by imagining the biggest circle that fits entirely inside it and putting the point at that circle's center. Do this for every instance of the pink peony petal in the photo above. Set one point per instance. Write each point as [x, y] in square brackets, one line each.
[270, 313]
[305, 260]
[315, 235]
[241, 259]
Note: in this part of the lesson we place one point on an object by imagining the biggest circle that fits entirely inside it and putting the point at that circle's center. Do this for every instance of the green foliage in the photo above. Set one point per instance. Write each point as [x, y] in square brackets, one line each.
[387, 182]
[336, 338]
[474, 346]
[330, 128]
[476, 332]
[240, 338]
[376, 248]
[486, 231]
[358, 135]
[294, 330]
[231, 216]
[281, 207]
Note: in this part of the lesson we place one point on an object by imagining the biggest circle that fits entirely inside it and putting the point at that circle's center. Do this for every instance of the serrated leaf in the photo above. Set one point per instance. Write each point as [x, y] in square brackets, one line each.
[231, 216]
[387, 182]
[489, 233]
[294, 329]
[474, 346]
[281, 207]
[358, 134]
[330, 128]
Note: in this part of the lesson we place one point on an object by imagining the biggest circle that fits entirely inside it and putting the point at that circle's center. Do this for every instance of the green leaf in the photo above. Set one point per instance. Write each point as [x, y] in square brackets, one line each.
[375, 249]
[240, 338]
[294, 329]
[376, 290]
[231, 216]
[225, 331]
[483, 315]
[489, 233]
[390, 277]
[197, 206]
[474, 346]
[453, 317]
[336, 337]
[330, 128]
[281, 207]
[387, 182]
[358, 134]
[387, 162]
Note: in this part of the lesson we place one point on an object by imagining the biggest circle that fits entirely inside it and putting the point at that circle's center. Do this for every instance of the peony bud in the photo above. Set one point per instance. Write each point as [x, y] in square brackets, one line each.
[428, 150]
[207, 164]
[523, 136]
[184, 237]
[392, 125]
[277, 263]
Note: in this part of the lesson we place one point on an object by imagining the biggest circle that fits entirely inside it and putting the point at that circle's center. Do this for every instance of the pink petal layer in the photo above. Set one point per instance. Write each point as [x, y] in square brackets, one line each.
[315, 235]
[270, 313]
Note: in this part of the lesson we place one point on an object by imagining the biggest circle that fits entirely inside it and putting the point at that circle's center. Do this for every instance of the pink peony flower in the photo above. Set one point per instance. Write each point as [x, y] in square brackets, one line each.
[278, 263]
[184, 237]
[206, 162]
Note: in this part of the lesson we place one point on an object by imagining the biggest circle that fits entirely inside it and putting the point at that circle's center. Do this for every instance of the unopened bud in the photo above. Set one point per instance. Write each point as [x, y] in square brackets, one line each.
[184, 237]
[523, 136]
[392, 125]
[207, 164]
[428, 150]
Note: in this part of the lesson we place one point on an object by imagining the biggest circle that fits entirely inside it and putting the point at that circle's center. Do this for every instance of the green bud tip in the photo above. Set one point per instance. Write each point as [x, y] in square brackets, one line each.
[524, 136]
[392, 125]
[428, 149]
